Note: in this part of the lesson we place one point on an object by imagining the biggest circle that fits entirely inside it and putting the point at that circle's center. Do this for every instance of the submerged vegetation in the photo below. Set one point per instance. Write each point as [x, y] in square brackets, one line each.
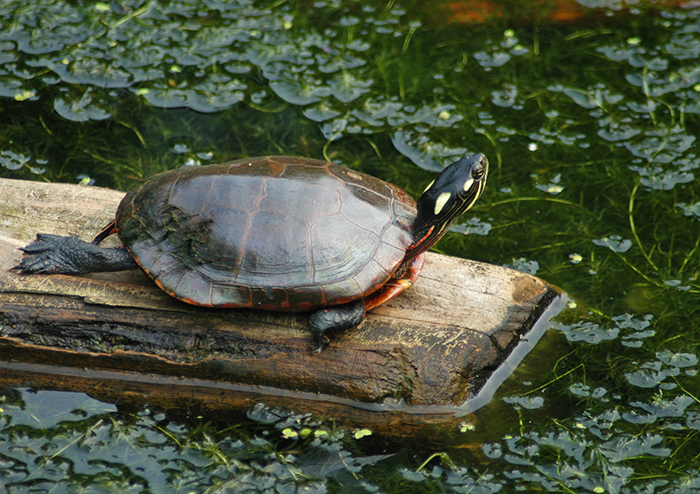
[590, 126]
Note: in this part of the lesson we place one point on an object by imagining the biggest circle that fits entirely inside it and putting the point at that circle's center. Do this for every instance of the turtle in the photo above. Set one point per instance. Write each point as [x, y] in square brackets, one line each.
[274, 233]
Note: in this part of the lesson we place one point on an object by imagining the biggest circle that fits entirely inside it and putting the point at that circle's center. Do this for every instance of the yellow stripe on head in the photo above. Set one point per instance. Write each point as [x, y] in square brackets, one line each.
[441, 201]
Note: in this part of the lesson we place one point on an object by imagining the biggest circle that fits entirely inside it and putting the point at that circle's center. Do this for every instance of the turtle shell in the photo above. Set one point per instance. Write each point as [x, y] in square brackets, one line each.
[275, 233]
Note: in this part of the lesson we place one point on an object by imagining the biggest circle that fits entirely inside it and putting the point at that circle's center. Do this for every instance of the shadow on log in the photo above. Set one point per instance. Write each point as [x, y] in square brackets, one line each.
[422, 355]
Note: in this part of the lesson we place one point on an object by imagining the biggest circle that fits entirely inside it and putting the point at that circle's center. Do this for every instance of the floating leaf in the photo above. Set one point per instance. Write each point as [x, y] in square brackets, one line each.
[360, 433]
[615, 243]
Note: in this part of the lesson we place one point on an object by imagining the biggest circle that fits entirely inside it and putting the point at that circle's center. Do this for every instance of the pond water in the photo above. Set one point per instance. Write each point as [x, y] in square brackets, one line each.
[588, 113]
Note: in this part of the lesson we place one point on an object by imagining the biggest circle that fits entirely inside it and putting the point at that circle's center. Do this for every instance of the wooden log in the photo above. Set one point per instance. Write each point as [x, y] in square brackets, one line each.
[433, 346]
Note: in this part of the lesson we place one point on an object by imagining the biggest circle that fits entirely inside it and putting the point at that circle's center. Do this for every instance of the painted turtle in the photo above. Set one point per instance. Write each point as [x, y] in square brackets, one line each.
[275, 233]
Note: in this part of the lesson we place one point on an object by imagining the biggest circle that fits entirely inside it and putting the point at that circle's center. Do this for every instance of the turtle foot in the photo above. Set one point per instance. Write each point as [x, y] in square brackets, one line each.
[54, 254]
[335, 318]
[49, 254]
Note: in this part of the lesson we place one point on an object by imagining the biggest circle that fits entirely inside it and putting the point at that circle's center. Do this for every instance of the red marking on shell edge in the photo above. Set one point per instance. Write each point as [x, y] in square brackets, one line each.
[305, 306]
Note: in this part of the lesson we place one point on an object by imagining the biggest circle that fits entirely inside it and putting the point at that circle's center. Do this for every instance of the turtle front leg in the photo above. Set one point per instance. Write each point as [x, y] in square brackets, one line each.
[335, 318]
[53, 254]
[347, 316]
[404, 278]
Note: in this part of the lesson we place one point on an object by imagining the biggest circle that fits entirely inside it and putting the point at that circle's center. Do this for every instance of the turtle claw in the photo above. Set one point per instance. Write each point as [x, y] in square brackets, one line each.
[323, 341]
[53, 254]
[48, 254]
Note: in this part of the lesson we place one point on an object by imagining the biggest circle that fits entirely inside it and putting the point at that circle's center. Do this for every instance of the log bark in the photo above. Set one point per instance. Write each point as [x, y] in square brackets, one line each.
[433, 346]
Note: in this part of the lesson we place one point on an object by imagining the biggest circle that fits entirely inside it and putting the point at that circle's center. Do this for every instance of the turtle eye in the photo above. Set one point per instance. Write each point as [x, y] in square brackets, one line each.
[478, 173]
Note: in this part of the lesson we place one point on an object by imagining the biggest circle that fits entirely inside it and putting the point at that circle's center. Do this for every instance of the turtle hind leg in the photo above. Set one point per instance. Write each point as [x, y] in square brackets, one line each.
[69, 255]
[335, 318]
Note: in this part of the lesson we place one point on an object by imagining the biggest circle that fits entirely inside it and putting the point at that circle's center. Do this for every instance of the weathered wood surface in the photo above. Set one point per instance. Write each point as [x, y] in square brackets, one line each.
[435, 345]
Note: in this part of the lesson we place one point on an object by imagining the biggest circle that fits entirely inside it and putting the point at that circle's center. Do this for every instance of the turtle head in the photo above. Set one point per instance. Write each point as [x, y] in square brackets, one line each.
[454, 191]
